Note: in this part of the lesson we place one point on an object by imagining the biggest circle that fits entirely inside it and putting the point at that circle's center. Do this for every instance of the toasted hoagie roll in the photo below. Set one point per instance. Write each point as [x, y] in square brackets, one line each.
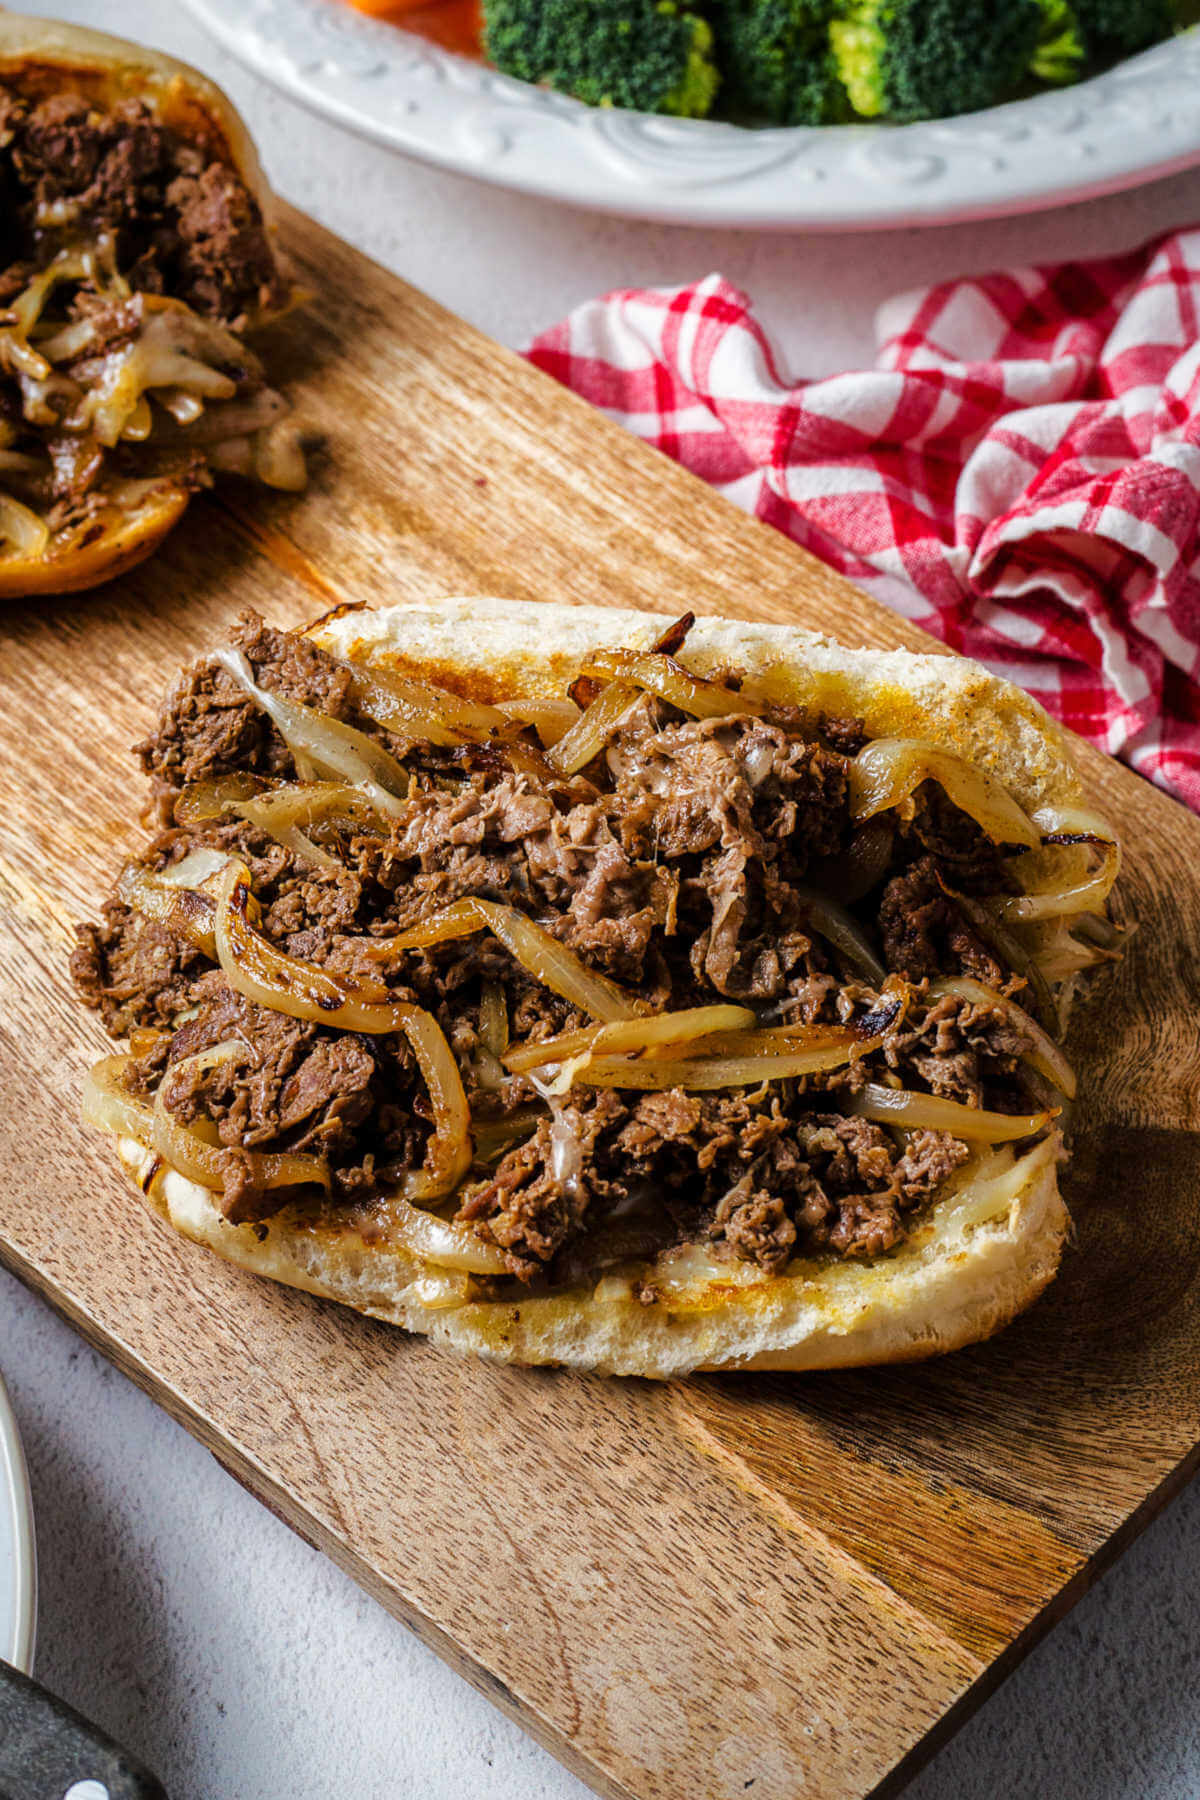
[575, 986]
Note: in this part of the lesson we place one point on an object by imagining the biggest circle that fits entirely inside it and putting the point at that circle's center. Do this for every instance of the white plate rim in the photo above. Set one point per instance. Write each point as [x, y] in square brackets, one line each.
[1138, 122]
[18, 1625]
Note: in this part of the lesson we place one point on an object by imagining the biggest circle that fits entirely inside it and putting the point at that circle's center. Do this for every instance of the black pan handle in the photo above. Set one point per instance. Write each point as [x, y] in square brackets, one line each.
[48, 1752]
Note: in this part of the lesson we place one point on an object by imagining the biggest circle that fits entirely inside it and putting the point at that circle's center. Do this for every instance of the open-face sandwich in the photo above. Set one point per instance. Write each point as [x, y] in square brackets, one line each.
[579, 988]
[135, 253]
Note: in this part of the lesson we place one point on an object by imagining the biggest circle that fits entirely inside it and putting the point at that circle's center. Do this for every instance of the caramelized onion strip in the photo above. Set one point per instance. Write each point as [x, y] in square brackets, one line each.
[550, 718]
[626, 1035]
[662, 675]
[108, 1104]
[846, 935]
[539, 954]
[790, 1041]
[418, 709]
[494, 1135]
[707, 1074]
[440, 1241]
[288, 985]
[588, 736]
[21, 529]
[1043, 1054]
[930, 1112]
[493, 1018]
[414, 719]
[1068, 826]
[1061, 954]
[287, 803]
[284, 983]
[325, 745]
[439, 1289]
[525, 759]
[448, 1153]
[457, 920]
[280, 811]
[175, 898]
[556, 967]
[990, 1183]
[886, 772]
[284, 811]
[214, 796]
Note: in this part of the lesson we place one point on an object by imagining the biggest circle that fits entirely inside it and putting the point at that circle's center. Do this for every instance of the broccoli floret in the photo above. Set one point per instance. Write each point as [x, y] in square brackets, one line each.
[1061, 54]
[776, 61]
[1114, 28]
[649, 55]
[929, 59]
[1081, 35]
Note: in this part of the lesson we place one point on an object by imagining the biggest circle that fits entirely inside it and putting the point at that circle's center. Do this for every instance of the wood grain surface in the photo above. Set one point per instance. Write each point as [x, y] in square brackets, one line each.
[776, 1586]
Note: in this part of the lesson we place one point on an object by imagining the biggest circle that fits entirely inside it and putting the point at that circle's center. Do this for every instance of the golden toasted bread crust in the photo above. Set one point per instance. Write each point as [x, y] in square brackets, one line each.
[949, 1285]
[496, 649]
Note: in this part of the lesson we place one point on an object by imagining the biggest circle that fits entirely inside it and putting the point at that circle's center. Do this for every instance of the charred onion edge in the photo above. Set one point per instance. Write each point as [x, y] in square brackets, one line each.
[1068, 826]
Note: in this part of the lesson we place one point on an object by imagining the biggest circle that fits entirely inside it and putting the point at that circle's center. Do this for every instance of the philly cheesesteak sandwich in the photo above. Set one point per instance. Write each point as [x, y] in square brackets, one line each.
[579, 987]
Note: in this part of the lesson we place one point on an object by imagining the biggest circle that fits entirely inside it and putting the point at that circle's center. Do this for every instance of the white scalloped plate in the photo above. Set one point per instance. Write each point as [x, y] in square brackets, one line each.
[18, 1566]
[1140, 120]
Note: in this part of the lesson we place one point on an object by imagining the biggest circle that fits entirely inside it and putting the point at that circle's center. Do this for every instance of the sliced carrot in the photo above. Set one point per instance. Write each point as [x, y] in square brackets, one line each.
[454, 24]
[383, 9]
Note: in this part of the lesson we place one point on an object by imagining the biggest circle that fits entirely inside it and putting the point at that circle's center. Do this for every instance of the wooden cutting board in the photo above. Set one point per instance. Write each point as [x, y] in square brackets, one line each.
[777, 1585]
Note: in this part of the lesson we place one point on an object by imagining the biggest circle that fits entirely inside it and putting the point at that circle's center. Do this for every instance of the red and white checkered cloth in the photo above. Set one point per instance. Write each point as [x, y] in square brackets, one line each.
[1019, 472]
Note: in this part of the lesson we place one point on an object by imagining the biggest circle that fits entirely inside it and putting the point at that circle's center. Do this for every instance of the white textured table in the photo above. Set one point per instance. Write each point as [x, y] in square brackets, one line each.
[174, 1609]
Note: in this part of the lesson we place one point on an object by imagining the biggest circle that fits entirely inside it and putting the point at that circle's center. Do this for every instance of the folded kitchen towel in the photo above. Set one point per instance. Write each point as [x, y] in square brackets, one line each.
[1019, 472]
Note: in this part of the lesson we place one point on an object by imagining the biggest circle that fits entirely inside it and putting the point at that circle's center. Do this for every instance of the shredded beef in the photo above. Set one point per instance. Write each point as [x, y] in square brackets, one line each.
[184, 223]
[970, 861]
[756, 1225]
[925, 934]
[956, 1048]
[132, 971]
[211, 726]
[541, 1192]
[746, 1176]
[676, 864]
[844, 735]
[222, 250]
[931, 1156]
[291, 1086]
